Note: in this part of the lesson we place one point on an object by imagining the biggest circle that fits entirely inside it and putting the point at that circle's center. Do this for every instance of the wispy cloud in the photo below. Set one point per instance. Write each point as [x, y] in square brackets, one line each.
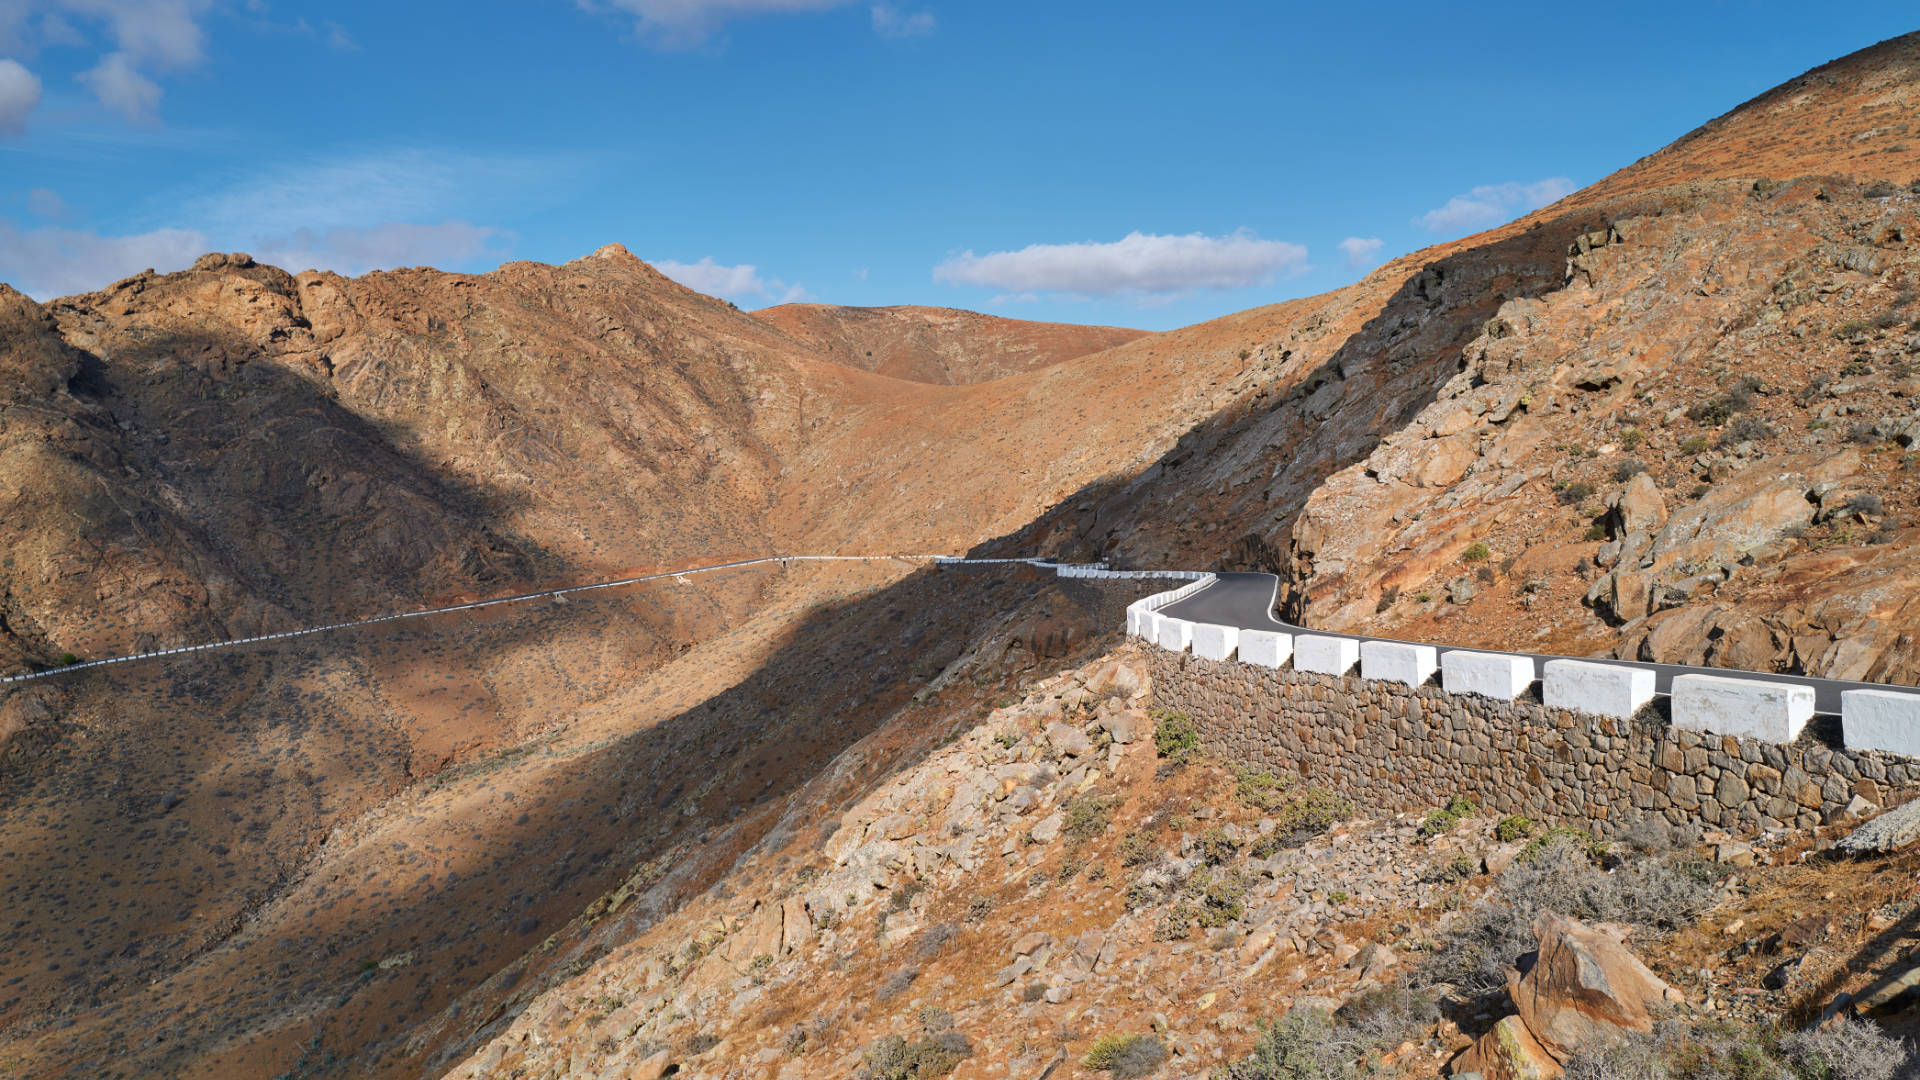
[736, 283]
[448, 245]
[1140, 265]
[1494, 204]
[47, 203]
[120, 87]
[891, 22]
[19, 96]
[686, 24]
[357, 190]
[51, 261]
[689, 24]
[1362, 251]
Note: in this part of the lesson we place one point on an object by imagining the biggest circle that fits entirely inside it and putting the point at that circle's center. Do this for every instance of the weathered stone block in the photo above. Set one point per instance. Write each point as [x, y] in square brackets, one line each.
[1265, 648]
[1881, 720]
[1398, 662]
[1213, 642]
[1755, 708]
[1602, 689]
[1325, 655]
[1174, 635]
[1501, 676]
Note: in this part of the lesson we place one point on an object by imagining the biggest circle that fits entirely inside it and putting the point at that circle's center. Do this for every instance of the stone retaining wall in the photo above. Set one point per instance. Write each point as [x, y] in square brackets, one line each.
[1405, 748]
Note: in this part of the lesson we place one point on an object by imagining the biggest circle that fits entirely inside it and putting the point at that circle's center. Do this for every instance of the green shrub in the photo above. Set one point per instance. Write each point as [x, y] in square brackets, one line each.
[1576, 493]
[1302, 1045]
[1216, 846]
[1477, 552]
[892, 1057]
[1596, 533]
[1444, 819]
[1316, 810]
[1513, 827]
[1088, 816]
[1694, 444]
[1175, 737]
[1579, 839]
[1631, 438]
[68, 659]
[1125, 1056]
[1218, 896]
[1258, 789]
[1752, 429]
[1136, 848]
[1626, 470]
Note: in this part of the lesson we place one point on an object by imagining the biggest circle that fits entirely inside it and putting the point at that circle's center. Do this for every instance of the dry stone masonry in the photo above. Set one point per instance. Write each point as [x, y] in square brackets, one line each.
[1403, 747]
[1591, 746]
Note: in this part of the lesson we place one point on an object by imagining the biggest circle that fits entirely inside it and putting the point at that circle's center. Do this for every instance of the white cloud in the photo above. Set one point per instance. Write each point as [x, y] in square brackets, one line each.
[684, 24]
[147, 36]
[55, 30]
[1140, 265]
[1493, 204]
[383, 247]
[742, 282]
[50, 261]
[46, 203]
[890, 22]
[338, 38]
[1362, 251]
[164, 33]
[19, 96]
[122, 88]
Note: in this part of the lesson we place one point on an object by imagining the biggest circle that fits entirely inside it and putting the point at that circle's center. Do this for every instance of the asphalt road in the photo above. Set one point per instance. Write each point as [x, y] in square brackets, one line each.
[1246, 601]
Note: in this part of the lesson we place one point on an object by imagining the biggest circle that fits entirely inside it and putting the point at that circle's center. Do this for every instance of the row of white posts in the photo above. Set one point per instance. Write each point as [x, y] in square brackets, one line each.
[1749, 707]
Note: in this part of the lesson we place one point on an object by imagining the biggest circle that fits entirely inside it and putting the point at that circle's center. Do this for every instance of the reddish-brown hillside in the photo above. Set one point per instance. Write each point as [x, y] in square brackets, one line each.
[1669, 417]
[938, 345]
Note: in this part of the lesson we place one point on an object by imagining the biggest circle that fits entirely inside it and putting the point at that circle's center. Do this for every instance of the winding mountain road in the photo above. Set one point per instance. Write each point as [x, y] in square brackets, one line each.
[1246, 600]
[1243, 600]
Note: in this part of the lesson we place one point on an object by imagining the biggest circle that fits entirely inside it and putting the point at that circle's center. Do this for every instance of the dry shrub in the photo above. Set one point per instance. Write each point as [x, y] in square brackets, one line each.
[1658, 894]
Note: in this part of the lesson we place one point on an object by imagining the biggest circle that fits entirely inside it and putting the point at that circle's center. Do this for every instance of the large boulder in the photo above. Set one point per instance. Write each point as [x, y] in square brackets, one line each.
[1586, 989]
[1508, 1052]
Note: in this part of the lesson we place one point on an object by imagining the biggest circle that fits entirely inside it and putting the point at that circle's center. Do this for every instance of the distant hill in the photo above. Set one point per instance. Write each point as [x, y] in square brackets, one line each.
[938, 345]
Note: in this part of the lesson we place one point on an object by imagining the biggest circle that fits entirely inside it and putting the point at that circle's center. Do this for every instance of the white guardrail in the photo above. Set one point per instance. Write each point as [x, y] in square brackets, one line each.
[1096, 570]
[1724, 703]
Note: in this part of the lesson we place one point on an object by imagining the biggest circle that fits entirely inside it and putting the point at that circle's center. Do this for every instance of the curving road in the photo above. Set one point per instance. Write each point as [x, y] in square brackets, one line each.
[216, 646]
[1243, 600]
[1246, 600]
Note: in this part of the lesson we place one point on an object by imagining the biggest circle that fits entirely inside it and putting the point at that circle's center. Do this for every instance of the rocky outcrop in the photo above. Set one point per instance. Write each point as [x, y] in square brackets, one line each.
[1583, 991]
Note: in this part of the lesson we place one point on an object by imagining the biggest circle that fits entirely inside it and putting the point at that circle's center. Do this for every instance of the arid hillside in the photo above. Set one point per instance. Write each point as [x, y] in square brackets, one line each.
[1669, 417]
[1666, 422]
[938, 345]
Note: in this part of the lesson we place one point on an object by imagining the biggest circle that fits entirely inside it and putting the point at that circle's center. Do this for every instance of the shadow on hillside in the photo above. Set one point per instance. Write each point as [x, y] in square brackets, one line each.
[1391, 368]
[511, 848]
[252, 477]
[503, 853]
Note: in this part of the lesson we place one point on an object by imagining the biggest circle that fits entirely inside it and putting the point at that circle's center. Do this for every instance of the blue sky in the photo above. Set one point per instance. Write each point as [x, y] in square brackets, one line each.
[1135, 163]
